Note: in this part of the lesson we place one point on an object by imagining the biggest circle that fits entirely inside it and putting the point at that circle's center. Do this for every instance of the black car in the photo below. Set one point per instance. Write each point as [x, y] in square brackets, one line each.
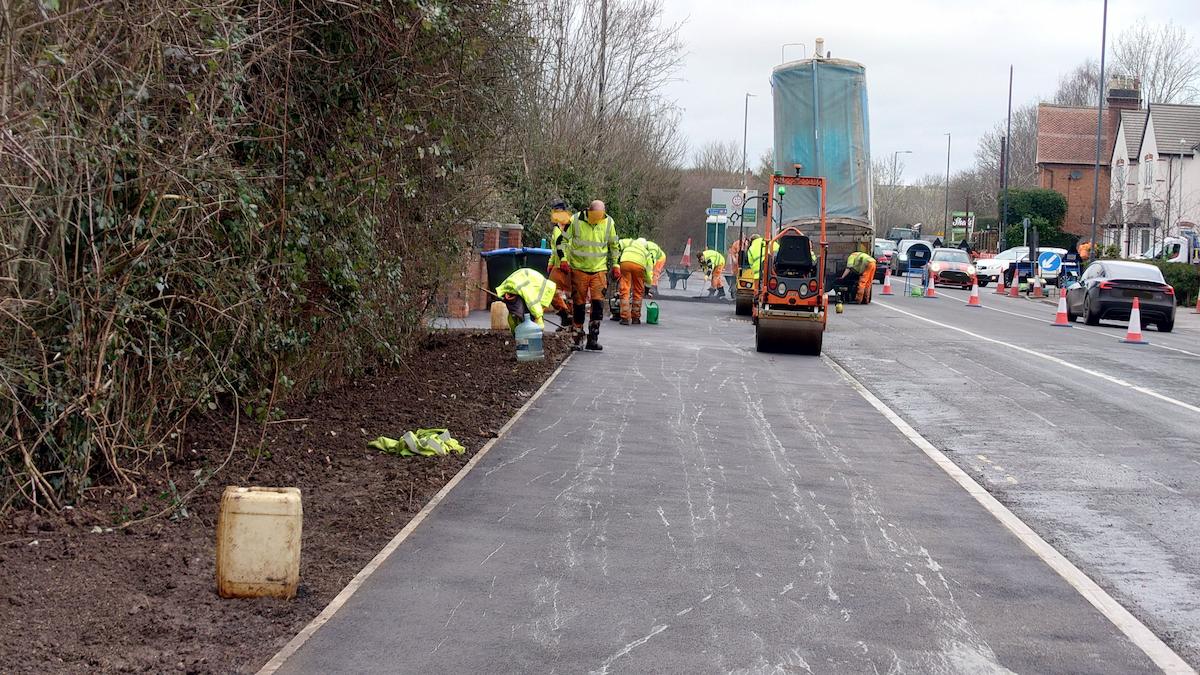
[1107, 289]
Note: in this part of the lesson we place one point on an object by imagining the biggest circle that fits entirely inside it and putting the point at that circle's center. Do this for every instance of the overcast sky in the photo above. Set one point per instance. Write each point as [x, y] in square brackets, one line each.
[933, 66]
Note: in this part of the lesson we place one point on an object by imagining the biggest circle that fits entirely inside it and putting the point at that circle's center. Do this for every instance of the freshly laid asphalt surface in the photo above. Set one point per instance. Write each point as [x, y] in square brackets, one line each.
[1106, 471]
[680, 503]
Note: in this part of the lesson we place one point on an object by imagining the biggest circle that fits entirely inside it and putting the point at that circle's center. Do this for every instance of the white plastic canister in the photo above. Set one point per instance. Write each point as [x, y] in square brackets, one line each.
[258, 542]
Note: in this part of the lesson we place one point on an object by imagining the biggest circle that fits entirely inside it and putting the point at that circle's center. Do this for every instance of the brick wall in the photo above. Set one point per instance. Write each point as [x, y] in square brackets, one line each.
[1078, 192]
[467, 295]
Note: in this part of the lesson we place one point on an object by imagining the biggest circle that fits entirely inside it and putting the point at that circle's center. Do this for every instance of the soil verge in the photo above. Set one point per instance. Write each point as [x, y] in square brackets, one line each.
[81, 594]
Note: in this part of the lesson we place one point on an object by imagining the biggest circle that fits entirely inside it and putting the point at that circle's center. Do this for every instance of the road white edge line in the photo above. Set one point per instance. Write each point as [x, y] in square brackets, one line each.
[340, 599]
[1053, 359]
[1137, 632]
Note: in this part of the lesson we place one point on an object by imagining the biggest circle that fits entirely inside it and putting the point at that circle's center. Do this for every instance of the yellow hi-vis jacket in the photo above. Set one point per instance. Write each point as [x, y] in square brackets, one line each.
[557, 255]
[754, 255]
[536, 290]
[591, 248]
[635, 251]
[656, 253]
[712, 259]
[858, 261]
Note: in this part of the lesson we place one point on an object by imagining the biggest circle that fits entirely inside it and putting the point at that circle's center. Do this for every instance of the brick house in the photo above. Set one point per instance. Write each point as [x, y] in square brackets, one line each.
[1066, 151]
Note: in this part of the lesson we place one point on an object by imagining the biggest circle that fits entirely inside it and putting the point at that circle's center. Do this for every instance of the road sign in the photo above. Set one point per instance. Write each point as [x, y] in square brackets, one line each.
[737, 201]
[717, 212]
[1049, 261]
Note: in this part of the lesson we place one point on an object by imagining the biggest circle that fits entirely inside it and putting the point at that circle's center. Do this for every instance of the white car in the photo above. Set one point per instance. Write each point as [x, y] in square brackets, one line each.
[989, 269]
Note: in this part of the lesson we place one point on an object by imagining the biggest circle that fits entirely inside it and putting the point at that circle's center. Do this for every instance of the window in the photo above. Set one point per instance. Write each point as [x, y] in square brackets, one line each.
[1147, 176]
[1093, 270]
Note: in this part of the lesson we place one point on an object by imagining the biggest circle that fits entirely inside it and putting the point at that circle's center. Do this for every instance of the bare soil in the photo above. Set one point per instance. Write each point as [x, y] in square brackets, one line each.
[80, 593]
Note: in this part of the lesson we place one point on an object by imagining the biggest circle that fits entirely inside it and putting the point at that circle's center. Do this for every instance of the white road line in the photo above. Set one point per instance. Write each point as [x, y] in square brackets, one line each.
[1082, 328]
[340, 600]
[1052, 359]
[1135, 630]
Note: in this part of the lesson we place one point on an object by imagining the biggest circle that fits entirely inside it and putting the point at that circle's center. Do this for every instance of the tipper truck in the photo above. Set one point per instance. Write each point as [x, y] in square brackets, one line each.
[821, 128]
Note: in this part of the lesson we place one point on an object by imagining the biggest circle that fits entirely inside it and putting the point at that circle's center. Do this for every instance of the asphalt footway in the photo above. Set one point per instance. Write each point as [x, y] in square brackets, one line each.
[681, 503]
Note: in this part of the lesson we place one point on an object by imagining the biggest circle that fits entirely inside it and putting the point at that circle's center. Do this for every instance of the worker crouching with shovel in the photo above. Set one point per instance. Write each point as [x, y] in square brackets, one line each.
[526, 291]
[714, 270]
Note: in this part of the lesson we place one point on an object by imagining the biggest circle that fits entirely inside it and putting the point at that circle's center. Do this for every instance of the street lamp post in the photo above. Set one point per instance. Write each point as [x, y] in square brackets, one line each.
[745, 130]
[896, 182]
[946, 219]
[1099, 125]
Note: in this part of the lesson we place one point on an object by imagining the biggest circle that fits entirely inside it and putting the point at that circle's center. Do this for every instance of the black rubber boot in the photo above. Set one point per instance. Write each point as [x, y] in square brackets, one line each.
[593, 344]
[637, 320]
[564, 321]
[593, 335]
[577, 324]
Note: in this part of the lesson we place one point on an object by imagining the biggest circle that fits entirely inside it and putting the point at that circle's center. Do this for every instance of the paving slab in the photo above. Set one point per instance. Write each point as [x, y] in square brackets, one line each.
[679, 504]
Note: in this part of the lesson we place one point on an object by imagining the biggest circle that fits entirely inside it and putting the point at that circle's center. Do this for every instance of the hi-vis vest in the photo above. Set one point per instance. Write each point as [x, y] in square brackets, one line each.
[591, 248]
[859, 261]
[754, 255]
[635, 251]
[536, 290]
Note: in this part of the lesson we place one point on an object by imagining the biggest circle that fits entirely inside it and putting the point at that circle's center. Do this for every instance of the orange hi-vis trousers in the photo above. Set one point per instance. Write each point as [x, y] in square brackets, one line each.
[631, 290]
[562, 297]
[864, 282]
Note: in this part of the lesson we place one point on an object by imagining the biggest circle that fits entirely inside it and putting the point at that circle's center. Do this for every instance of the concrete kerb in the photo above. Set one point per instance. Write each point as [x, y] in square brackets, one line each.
[344, 595]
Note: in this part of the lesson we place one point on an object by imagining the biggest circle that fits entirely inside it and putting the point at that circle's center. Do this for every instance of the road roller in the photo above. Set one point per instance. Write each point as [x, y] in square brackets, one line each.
[791, 308]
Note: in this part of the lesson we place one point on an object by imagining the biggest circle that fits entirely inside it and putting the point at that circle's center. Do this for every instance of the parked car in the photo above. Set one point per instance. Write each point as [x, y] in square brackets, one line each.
[949, 267]
[1107, 289]
[884, 250]
[988, 270]
[910, 254]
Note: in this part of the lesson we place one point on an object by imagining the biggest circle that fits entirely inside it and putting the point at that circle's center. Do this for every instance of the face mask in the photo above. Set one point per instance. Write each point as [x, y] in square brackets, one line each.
[560, 217]
[595, 217]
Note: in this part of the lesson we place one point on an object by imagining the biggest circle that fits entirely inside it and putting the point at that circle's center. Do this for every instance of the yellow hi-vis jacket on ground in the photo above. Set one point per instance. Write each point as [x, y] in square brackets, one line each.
[754, 255]
[712, 259]
[656, 253]
[858, 261]
[536, 290]
[591, 248]
[636, 251]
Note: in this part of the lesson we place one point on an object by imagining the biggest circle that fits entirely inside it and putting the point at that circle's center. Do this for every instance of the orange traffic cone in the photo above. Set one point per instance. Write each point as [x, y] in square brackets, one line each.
[1133, 335]
[1037, 290]
[973, 299]
[1015, 290]
[1000, 290]
[887, 283]
[1060, 318]
[930, 291]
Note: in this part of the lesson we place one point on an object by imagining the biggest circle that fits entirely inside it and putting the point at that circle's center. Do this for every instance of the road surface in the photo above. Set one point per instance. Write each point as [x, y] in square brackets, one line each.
[680, 503]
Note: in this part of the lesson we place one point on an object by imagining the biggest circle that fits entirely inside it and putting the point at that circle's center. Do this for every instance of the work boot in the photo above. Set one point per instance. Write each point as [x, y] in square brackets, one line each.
[564, 321]
[624, 322]
[721, 292]
[578, 338]
[710, 292]
[637, 320]
[593, 344]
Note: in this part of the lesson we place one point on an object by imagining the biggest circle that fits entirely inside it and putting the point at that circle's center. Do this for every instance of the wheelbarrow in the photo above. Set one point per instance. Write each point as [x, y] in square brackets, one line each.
[678, 275]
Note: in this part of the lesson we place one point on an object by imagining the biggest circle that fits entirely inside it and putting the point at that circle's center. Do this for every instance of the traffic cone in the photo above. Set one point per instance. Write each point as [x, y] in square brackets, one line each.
[973, 300]
[1133, 335]
[930, 290]
[1037, 290]
[1014, 291]
[887, 284]
[1000, 290]
[1060, 318]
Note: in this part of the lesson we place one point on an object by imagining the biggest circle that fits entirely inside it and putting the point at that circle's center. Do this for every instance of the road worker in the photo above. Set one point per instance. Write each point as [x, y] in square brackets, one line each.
[590, 244]
[862, 267]
[714, 270]
[636, 266]
[660, 263]
[754, 254]
[560, 271]
[526, 291]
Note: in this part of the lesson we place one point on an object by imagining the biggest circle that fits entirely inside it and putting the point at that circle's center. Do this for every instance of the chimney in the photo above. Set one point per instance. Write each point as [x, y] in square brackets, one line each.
[819, 48]
[1124, 93]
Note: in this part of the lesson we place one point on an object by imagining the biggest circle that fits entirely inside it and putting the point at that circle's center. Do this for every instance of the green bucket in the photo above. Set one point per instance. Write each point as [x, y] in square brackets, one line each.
[652, 313]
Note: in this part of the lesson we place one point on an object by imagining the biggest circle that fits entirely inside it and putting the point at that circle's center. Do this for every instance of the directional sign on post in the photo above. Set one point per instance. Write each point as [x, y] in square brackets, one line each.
[1049, 261]
[717, 212]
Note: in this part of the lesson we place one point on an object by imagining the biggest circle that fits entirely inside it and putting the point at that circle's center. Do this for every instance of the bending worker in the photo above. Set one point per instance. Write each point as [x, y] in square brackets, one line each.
[754, 254]
[862, 266]
[560, 271]
[590, 244]
[636, 265]
[526, 291]
[714, 269]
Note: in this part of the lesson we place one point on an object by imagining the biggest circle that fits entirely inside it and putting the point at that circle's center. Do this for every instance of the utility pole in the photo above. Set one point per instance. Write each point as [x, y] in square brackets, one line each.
[1005, 155]
[745, 130]
[946, 220]
[1099, 125]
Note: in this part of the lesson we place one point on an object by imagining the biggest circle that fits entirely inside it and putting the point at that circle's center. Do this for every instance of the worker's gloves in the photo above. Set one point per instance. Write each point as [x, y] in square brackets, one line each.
[616, 273]
[564, 266]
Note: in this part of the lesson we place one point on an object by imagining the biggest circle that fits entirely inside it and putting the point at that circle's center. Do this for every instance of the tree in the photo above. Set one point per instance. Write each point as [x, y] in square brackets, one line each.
[1046, 210]
[1163, 57]
[1080, 86]
[719, 157]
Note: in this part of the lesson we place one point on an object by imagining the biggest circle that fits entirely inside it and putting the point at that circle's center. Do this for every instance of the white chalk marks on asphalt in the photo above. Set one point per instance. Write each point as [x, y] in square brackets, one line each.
[1135, 630]
[1052, 359]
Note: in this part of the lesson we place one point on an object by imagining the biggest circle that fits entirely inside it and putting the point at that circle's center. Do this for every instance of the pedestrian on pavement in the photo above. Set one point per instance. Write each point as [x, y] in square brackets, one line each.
[526, 291]
[635, 274]
[559, 270]
[860, 268]
[714, 270]
[660, 263]
[590, 244]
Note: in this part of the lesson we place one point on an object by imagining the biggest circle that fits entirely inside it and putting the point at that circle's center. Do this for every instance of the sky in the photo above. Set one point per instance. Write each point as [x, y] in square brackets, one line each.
[933, 66]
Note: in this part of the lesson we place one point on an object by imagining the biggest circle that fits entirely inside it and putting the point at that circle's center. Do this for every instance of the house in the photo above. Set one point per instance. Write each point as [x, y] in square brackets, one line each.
[1155, 183]
[1066, 151]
